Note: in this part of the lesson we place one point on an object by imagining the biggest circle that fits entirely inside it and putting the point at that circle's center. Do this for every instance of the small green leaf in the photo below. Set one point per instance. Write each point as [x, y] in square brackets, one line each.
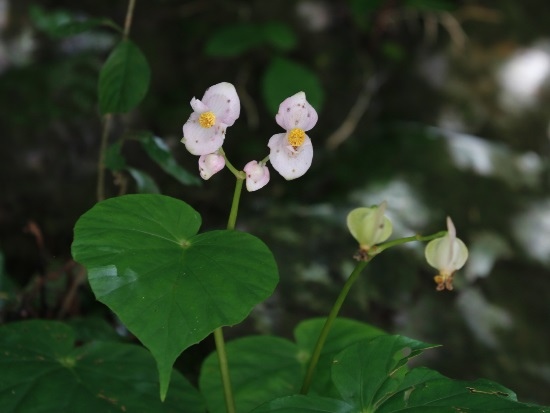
[43, 371]
[344, 333]
[48, 21]
[124, 79]
[271, 358]
[169, 285]
[284, 78]
[160, 153]
[144, 182]
[73, 27]
[305, 404]
[279, 35]
[234, 40]
[446, 395]
[61, 23]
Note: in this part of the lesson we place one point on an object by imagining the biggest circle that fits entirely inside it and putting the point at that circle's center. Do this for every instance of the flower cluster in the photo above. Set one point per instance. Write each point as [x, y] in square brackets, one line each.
[290, 153]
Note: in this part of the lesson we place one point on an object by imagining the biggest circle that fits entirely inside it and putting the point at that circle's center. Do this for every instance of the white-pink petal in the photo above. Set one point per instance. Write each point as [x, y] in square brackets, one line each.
[289, 162]
[198, 106]
[257, 175]
[202, 141]
[296, 112]
[223, 101]
[210, 164]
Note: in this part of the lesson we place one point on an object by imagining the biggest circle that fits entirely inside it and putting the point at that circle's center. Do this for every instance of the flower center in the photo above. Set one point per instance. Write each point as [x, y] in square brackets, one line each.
[207, 119]
[296, 137]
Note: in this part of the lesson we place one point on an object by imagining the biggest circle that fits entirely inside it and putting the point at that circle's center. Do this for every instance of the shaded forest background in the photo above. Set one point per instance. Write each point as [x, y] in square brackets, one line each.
[439, 107]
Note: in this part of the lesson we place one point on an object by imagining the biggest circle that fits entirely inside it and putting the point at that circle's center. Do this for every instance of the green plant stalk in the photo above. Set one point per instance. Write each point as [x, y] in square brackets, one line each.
[377, 249]
[381, 247]
[328, 325]
[100, 191]
[224, 370]
[218, 333]
[129, 16]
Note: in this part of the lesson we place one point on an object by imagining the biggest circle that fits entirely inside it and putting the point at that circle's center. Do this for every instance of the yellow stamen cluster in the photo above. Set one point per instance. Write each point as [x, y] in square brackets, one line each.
[296, 137]
[207, 119]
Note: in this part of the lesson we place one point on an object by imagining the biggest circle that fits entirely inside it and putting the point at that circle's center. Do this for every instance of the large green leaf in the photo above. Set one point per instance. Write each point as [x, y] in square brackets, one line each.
[43, 371]
[284, 78]
[367, 373]
[160, 153]
[124, 79]
[261, 369]
[279, 363]
[305, 404]
[170, 286]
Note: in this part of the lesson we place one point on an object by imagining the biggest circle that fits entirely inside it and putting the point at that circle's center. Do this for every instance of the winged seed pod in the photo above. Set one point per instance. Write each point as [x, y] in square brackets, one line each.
[369, 226]
[446, 254]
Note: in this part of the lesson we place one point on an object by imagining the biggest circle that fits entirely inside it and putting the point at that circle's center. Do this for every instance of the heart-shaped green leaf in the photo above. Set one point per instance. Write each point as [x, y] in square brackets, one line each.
[170, 286]
[42, 372]
[124, 79]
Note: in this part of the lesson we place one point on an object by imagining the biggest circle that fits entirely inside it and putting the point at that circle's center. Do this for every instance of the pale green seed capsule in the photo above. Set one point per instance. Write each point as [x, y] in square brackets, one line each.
[369, 226]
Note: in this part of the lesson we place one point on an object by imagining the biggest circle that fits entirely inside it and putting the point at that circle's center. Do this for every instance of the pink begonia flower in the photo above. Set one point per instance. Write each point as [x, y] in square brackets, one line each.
[210, 164]
[291, 153]
[204, 131]
[257, 175]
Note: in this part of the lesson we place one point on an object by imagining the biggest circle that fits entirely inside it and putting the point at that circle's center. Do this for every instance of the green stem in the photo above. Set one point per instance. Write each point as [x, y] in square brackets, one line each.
[238, 174]
[381, 247]
[235, 204]
[328, 325]
[129, 16]
[224, 370]
[100, 191]
[218, 333]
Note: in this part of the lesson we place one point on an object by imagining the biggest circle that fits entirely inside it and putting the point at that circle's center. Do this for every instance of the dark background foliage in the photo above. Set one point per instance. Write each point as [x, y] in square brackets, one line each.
[438, 106]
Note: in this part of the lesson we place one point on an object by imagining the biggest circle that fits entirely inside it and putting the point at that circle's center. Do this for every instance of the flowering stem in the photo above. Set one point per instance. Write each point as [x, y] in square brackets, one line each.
[218, 333]
[328, 325]
[235, 204]
[238, 174]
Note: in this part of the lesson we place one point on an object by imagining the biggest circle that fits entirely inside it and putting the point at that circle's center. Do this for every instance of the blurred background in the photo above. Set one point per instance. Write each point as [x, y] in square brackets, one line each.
[439, 107]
